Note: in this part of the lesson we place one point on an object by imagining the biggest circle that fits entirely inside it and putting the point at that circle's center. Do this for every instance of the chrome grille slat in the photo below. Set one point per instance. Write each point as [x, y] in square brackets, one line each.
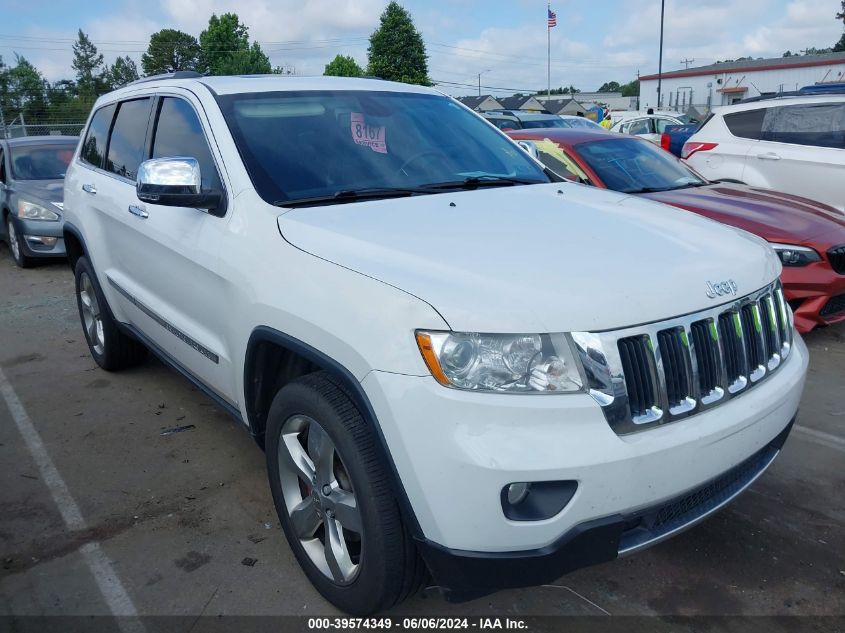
[662, 372]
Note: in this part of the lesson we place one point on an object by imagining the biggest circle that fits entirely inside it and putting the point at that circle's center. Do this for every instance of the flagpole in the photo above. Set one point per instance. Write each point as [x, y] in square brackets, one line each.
[548, 51]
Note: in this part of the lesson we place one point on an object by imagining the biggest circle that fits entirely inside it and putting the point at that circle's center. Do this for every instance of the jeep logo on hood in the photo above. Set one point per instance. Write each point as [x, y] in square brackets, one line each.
[721, 288]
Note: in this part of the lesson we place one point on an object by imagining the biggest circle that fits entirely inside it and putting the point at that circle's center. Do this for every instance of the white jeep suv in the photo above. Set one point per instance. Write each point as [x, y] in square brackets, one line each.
[455, 364]
[791, 143]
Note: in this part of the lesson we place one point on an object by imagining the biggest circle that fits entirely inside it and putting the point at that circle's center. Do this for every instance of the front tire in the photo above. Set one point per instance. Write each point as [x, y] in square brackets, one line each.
[334, 498]
[112, 349]
[21, 259]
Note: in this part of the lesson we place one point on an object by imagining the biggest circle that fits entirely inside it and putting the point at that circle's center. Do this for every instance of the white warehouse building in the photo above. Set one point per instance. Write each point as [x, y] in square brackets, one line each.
[715, 85]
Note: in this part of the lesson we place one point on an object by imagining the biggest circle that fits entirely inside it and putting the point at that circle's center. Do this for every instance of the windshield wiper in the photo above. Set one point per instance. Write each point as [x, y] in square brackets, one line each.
[474, 182]
[659, 189]
[376, 193]
[648, 190]
[353, 195]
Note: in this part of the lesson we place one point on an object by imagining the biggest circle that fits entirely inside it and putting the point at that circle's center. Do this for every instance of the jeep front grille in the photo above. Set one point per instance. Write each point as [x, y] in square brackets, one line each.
[836, 256]
[662, 372]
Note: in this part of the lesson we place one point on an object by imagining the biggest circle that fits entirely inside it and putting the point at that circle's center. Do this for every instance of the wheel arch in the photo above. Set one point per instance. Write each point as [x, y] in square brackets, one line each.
[74, 244]
[274, 358]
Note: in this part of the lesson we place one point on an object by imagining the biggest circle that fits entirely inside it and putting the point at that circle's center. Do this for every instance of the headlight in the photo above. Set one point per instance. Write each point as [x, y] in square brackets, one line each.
[31, 211]
[505, 363]
[791, 255]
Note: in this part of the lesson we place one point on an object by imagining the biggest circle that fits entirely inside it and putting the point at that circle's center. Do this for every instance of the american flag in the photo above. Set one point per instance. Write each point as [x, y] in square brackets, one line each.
[552, 18]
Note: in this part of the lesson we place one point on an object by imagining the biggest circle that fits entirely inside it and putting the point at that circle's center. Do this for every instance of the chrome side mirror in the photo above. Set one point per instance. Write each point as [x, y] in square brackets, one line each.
[174, 182]
[529, 147]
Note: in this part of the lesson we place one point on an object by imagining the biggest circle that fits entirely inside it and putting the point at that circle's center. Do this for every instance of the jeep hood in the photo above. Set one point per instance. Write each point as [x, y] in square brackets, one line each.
[537, 258]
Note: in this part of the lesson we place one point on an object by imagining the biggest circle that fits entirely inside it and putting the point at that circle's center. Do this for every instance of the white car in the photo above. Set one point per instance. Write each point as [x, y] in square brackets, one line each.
[649, 126]
[392, 297]
[794, 144]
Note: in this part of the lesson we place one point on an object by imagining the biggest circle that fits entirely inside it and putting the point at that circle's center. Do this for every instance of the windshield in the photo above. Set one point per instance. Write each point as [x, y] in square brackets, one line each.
[533, 124]
[299, 146]
[634, 166]
[581, 122]
[40, 162]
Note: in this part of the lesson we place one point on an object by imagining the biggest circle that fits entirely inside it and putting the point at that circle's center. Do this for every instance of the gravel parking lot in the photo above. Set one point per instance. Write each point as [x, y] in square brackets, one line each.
[166, 522]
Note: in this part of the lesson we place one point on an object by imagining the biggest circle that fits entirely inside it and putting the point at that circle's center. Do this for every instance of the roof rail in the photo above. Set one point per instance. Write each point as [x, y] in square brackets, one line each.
[517, 111]
[179, 74]
[806, 91]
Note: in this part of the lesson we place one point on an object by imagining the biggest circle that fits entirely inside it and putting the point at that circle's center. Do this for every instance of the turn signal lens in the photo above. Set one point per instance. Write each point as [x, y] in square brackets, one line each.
[430, 358]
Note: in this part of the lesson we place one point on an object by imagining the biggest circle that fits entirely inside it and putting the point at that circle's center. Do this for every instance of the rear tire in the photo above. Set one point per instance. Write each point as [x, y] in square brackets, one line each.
[13, 240]
[111, 348]
[324, 465]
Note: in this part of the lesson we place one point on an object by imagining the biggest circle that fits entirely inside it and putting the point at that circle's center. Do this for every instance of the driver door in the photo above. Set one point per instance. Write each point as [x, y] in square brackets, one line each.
[170, 285]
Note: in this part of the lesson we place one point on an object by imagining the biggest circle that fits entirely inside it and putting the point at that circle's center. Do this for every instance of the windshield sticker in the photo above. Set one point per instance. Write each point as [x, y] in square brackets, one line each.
[371, 136]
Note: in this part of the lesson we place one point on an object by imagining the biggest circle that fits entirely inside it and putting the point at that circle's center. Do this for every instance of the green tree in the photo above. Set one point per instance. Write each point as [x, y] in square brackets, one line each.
[396, 50]
[840, 45]
[225, 48]
[88, 64]
[630, 89]
[22, 91]
[170, 51]
[121, 72]
[343, 66]
[610, 86]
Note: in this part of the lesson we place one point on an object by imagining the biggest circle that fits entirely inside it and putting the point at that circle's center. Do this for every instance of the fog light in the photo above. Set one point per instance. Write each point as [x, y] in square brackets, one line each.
[518, 492]
[42, 239]
[536, 500]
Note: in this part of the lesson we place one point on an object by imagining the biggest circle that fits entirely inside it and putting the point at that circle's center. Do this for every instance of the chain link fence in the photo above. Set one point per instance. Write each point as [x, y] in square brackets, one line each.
[16, 129]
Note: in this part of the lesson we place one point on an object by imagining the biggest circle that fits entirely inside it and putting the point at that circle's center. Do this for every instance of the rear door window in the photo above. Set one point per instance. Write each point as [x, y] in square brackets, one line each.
[747, 124]
[94, 146]
[639, 127]
[178, 132]
[662, 124]
[815, 124]
[129, 133]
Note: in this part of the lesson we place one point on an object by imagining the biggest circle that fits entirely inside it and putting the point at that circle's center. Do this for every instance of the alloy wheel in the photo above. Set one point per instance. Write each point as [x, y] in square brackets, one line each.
[12, 236]
[320, 500]
[91, 315]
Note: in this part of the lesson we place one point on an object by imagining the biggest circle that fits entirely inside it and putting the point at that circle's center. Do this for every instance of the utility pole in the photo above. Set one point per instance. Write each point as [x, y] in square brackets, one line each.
[479, 80]
[660, 61]
[687, 62]
[548, 50]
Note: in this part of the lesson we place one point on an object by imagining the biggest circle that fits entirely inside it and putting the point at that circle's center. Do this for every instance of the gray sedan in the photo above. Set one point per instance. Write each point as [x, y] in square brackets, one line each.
[32, 171]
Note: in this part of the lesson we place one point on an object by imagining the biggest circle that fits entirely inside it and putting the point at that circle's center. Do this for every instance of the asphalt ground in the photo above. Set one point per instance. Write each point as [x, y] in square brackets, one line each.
[102, 514]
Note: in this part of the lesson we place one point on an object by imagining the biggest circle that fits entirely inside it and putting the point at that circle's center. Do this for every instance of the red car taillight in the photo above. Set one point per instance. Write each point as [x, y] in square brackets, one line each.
[691, 148]
[665, 141]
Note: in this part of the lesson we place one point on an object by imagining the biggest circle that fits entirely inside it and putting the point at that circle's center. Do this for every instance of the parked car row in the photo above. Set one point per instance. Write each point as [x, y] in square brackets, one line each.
[507, 120]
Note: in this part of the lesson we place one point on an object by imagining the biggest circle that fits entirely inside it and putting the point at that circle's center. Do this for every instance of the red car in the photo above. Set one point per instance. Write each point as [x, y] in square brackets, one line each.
[808, 236]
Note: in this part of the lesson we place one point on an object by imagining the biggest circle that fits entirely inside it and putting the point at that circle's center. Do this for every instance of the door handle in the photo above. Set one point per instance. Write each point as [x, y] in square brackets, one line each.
[89, 189]
[140, 212]
[768, 156]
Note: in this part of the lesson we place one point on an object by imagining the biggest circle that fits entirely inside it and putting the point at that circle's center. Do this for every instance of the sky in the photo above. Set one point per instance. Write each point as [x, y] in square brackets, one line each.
[505, 42]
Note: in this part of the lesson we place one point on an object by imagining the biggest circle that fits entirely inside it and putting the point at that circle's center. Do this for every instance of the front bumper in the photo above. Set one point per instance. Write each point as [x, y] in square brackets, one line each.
[30, 231]
[812, 291]
[468, 575]
[455, 451]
